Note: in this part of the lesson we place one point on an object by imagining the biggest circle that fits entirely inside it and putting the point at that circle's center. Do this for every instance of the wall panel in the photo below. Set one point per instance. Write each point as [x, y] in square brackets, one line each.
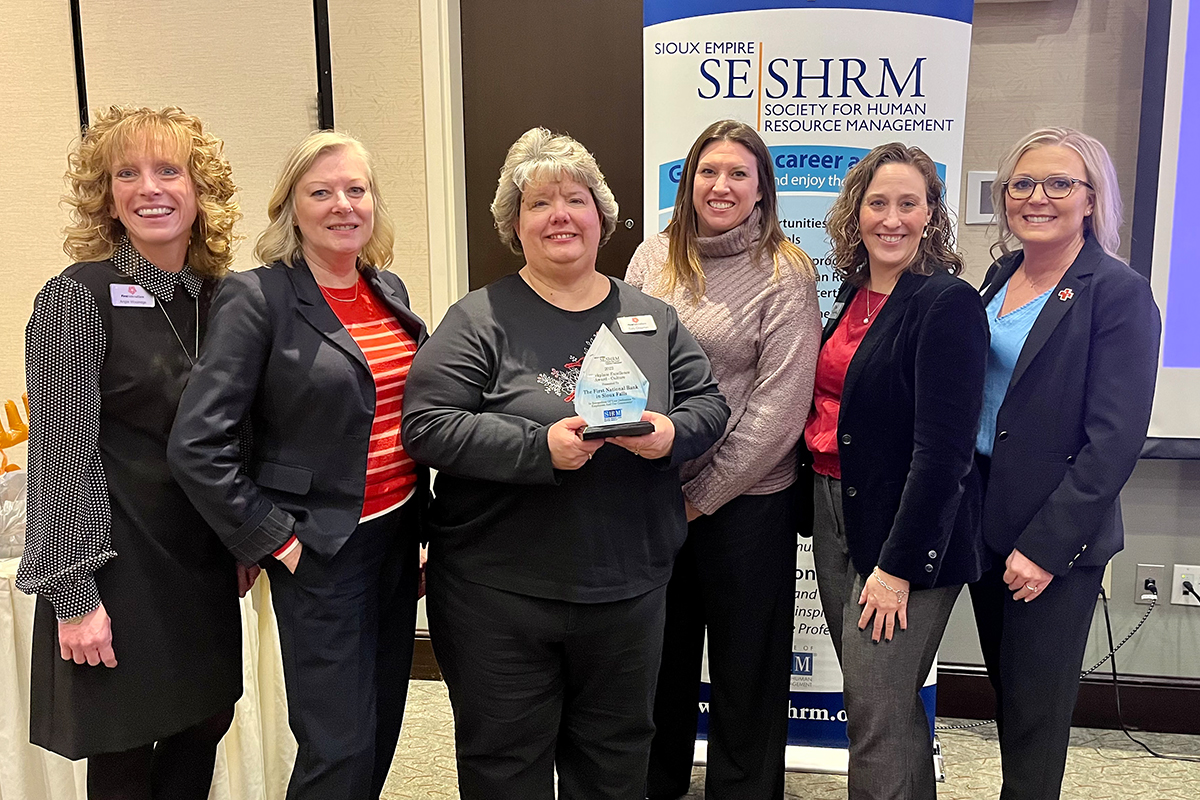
[377, 96]
[1076, 63]
[212, 59]
[39, 122]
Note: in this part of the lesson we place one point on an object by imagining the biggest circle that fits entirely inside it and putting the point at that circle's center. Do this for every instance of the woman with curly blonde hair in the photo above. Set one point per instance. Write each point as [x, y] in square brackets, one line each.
[137, 639]
[892, 433]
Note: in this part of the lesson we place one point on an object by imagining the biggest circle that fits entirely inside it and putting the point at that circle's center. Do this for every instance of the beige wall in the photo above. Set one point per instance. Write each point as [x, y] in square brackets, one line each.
[377, 97]
[1072, 62]
[248, 70]
[1065, 62]
[39, 120]
[258, 99]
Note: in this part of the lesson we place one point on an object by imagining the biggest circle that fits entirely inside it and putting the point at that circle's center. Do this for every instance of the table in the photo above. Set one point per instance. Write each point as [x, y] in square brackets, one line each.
[254, 759]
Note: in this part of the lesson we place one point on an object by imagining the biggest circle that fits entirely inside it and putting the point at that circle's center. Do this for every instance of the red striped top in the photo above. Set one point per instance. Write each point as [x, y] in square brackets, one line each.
[389, 349]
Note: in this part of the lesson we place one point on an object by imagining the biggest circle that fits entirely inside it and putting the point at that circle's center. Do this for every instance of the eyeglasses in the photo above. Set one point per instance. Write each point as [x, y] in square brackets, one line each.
[1056, 187]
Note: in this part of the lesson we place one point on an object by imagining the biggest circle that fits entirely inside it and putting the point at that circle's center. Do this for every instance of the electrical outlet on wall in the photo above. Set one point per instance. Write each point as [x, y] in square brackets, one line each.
[1156, 572]
[1185, 572]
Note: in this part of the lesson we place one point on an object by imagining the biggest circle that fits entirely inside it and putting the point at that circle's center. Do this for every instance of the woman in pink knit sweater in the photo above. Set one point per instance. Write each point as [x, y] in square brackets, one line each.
[748, 295]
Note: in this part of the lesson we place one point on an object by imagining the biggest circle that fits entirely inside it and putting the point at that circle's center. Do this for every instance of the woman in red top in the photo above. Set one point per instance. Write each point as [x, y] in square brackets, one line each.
[288, 442]
[897, 398]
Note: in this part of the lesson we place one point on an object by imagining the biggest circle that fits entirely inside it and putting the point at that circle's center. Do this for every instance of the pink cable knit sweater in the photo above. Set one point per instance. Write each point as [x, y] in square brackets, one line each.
[762, 337]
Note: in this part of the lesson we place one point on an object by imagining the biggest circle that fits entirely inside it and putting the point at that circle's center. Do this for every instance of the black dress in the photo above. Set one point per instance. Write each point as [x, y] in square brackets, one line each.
[166, 581]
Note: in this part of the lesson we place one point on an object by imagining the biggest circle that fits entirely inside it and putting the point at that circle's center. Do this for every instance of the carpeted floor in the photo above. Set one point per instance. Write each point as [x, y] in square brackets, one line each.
[1103, 765]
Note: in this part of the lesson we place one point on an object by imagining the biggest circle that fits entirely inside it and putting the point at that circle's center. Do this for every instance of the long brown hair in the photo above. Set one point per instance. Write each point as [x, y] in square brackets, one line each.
[683, 256]
[936, 251]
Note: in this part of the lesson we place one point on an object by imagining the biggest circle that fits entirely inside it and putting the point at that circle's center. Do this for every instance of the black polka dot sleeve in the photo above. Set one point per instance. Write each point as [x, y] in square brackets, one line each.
[68, 515]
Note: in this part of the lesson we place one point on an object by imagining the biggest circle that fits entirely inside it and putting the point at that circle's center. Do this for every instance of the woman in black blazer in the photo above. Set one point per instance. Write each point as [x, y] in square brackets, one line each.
[288, 442]
[1070, 379]
[896, 407]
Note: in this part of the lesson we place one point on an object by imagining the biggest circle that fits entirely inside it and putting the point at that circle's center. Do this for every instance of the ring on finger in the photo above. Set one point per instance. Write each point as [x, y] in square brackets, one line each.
[1032, 588]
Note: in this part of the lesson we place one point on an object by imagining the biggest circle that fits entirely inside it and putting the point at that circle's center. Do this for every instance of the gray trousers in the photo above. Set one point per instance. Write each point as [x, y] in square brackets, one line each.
[891, 752]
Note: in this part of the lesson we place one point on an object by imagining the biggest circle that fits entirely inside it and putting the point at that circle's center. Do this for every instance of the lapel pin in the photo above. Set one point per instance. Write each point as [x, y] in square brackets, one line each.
[1066, 294]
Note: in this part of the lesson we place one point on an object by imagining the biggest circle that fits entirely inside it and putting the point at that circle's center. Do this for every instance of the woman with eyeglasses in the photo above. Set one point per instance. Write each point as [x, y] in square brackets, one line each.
[1070, 379]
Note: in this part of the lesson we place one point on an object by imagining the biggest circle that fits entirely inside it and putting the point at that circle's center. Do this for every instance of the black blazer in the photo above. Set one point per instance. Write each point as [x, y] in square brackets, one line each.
[906, 432]
[1074, 419]
[277, 354]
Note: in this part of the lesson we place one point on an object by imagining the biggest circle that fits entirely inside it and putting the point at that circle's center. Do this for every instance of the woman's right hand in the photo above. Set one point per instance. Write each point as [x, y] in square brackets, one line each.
[88, 641]
[567, 449]
[293, 558]
[887, 604]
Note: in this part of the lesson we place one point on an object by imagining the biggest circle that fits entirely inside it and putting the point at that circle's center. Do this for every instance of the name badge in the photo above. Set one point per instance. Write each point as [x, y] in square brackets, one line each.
[636, 324]
[131, 295]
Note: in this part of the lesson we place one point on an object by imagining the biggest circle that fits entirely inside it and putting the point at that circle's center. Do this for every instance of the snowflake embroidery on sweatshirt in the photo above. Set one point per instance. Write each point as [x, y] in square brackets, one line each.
[562, 381]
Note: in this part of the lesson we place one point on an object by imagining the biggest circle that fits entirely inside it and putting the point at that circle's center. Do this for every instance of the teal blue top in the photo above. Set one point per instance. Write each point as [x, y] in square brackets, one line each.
[1008, 337]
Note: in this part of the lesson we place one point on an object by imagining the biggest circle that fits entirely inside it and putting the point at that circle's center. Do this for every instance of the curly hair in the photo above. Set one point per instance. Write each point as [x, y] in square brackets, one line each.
[1105, 220]
[935, 251]
[683, 257]
[539, 155]
[117, 131]
[281, 241]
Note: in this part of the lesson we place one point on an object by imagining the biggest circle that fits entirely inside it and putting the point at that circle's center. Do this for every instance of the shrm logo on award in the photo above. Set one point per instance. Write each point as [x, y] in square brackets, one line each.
[802, 664]
[612, 413]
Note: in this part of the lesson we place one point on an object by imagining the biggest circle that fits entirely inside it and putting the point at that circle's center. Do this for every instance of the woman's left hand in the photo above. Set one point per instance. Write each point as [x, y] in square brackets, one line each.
[1026, 579]
[246, 576]
[421, 575]
[884, 604]
[652, 445]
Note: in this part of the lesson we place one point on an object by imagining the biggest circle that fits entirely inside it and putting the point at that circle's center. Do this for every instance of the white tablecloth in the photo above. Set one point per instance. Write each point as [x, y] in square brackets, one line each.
[253, 761]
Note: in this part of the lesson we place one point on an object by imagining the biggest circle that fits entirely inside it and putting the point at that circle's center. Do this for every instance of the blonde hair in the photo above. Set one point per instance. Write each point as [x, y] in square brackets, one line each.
[93, 233]
[1105, 220]
[935, 251]
[539, 155]
[683, 255]
[282, 241]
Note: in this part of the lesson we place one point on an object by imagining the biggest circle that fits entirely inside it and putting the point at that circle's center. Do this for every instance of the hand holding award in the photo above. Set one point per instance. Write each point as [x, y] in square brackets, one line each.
[611, 392]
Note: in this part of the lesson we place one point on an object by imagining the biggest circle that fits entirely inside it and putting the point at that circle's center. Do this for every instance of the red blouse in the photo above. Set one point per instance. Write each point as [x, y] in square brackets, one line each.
[389, 349]
[820, 432]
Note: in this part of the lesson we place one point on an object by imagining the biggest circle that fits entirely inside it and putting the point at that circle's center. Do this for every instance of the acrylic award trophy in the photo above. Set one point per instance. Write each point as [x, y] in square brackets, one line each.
[611, 391]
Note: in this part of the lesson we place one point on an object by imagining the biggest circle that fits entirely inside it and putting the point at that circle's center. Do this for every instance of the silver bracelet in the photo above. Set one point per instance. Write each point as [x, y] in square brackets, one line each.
[900, 593]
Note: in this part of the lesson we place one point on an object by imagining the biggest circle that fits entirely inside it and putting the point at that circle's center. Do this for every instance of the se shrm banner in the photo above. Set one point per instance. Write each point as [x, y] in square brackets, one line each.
[823, 81]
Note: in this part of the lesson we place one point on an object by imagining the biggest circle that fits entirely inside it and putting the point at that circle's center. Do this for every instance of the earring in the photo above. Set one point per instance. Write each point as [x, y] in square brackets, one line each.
[925, 231]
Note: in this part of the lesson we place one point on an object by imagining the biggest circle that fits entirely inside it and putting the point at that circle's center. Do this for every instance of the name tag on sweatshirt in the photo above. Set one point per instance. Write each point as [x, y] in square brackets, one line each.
[636, 324]
[130, 294]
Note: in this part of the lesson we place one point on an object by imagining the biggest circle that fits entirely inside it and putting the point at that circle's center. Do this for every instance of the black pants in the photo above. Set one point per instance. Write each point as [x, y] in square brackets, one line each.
[179, 767]
[1034, 652]
[539, 685]
[346, 631]
[736, 575]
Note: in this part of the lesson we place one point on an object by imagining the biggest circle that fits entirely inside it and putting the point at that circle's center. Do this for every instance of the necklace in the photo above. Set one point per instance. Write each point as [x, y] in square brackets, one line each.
[867, 319]
[328, 292]
[191, 359]
[1033, 285]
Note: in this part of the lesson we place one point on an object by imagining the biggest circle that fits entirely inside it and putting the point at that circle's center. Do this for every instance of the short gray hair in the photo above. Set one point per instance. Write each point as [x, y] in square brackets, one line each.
[1105, 220]
[540, 155]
